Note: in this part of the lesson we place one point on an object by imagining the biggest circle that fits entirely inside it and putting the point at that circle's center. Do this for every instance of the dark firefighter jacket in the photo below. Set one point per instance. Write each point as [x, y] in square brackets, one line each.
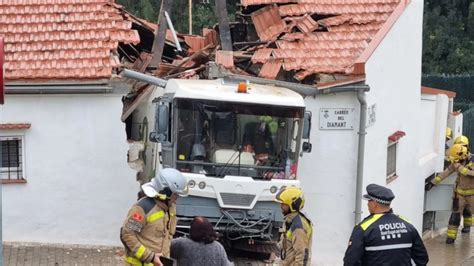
[385, 239]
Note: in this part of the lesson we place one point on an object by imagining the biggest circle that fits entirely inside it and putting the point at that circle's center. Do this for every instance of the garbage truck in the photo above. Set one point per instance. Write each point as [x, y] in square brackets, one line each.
[237, 140]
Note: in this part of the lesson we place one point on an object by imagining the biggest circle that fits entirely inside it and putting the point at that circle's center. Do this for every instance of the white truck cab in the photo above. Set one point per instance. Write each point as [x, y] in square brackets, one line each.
[238, 144]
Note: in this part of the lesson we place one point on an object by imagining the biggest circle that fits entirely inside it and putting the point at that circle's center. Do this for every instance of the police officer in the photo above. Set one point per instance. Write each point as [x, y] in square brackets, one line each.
[297, 229]
[151, 222]
[464, 189]
[384, 238]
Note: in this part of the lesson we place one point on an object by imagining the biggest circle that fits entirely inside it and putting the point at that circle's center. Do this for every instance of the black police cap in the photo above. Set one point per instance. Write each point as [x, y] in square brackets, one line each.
[379, 194]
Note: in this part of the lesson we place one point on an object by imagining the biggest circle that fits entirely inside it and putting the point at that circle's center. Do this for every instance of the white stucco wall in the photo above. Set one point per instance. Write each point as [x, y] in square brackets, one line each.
[431, 130]
[328, 177]
[328, 174]
[394, 75]
[79, 186]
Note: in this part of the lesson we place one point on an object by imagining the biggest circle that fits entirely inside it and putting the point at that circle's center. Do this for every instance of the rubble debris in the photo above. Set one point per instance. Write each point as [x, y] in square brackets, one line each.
[303, 41]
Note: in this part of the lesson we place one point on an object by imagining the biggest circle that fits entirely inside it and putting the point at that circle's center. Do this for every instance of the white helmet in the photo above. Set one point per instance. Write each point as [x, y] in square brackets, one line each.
[167, 178]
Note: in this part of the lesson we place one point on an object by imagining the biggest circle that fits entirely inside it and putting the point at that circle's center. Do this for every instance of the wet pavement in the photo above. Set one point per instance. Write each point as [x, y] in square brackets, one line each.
[19, 254]
[461, 253]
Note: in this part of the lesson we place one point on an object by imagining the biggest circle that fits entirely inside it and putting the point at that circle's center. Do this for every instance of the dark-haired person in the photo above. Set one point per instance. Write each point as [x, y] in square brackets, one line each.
[201, 248]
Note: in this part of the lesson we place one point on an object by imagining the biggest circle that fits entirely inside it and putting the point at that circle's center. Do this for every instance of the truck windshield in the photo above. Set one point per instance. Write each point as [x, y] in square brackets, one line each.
[226, 138]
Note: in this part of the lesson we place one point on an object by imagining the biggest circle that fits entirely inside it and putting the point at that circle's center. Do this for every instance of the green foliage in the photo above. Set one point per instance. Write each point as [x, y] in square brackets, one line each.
[463, 85]
[448, 30]
[204, 14]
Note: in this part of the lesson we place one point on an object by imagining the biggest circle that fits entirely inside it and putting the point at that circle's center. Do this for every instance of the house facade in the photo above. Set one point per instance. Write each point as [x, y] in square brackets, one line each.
[69, 174]
[65, 177]
[404, 138]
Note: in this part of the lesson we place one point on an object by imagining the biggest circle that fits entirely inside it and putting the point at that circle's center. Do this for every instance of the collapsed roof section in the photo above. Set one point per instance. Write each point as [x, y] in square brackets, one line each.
[311, 40]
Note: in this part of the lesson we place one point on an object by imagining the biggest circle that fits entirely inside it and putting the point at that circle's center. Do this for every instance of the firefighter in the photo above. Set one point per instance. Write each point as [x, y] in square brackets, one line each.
[151, 222]
[384, 238]
[449, 135]
[297, 231]
[463, 140]
[467, 213]
[463, 192]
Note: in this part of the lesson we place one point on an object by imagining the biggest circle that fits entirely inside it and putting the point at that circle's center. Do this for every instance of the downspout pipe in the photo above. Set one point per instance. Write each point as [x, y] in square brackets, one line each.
[361, 96]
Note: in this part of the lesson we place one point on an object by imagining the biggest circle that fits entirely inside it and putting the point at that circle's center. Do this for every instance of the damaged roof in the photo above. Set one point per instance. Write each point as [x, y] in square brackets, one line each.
[62, 39]
[320, 36]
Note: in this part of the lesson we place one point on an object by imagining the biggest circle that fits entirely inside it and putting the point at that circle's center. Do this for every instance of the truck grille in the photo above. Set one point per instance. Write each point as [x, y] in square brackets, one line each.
[237, 199]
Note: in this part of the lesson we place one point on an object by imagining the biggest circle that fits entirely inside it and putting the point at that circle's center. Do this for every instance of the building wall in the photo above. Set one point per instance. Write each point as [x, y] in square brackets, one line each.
[328, 174]
[79, 186]
[394, 75]
[328, 177]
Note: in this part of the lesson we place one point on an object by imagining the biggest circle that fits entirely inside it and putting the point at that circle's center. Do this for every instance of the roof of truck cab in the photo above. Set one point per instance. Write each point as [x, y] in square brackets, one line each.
[220, 90]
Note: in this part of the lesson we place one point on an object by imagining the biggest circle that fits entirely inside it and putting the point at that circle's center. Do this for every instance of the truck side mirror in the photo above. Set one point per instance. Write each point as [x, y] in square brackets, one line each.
[307, 125]
[162, 116]
[307, 147]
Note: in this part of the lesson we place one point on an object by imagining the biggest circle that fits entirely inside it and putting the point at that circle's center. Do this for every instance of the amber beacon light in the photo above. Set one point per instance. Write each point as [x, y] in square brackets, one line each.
[242, 88]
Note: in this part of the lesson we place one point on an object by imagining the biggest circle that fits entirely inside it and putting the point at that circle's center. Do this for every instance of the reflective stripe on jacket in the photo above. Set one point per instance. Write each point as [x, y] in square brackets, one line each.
[148, 229]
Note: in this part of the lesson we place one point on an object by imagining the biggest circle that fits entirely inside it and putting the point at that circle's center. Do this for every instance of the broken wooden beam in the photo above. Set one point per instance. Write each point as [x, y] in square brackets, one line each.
[160, 35]
[224, 29]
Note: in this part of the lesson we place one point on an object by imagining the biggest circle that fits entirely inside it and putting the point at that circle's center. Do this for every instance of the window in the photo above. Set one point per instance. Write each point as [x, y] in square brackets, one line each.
[12, 163]
[392, 159]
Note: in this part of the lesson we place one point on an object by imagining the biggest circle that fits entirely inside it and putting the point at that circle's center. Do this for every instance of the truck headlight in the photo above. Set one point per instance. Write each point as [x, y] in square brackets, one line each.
[191, 183]
[202, 185]
[273, 189]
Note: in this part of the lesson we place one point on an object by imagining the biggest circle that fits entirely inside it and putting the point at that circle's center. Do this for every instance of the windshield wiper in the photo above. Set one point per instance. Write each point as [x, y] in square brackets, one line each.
[228, 165]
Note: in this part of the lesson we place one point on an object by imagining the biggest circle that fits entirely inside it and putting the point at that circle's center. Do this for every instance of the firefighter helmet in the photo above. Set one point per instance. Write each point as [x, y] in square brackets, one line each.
[168, 181]
[458, 152]
[463, 140]
[449, 133]
[291, 196]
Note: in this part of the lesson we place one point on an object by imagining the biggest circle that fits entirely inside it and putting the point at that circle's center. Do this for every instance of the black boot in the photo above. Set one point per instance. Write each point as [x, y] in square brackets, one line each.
[449, 240]
[466, 229]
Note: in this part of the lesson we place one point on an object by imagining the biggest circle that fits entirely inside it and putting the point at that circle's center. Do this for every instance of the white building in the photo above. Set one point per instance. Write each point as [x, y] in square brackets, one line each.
[404, 141]
[74, 185]
[357, 43]
[65, 177]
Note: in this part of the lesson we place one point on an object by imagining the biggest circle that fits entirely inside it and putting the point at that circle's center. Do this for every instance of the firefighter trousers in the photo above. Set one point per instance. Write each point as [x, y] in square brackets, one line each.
[461, 205]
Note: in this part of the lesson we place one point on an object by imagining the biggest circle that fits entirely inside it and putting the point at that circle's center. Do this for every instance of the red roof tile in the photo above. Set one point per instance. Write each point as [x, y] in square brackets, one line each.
[335, 21]
[62, 39]
[210, 35]
[270, 69]
[335, 44]
[15, 126]
[307, 24]
[261, 55]
[225, 58]
[336, 8]
[428, 90]
[195, 42]
[268, 22]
